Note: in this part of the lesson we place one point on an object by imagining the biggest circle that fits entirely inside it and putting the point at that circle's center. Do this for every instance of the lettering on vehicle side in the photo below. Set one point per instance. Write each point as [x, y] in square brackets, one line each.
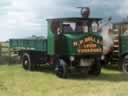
[88, 45]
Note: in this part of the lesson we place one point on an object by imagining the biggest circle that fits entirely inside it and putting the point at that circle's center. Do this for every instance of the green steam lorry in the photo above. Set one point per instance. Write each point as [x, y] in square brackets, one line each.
[119, 54]
[72, 45]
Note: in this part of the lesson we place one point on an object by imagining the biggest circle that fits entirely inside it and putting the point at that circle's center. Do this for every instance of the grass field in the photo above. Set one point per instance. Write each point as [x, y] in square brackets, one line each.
[14, 81]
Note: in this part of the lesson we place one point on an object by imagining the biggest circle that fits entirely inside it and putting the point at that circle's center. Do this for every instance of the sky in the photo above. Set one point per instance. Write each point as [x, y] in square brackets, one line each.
[24, 18]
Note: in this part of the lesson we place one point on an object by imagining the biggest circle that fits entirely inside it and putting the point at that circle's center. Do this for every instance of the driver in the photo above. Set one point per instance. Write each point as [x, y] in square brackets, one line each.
[85, 27]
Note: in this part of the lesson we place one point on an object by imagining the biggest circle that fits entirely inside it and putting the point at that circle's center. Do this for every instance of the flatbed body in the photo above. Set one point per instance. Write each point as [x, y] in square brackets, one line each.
[29, 44]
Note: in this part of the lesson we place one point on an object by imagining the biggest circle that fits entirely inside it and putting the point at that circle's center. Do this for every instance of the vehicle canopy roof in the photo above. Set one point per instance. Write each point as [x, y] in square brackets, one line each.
[72, 19]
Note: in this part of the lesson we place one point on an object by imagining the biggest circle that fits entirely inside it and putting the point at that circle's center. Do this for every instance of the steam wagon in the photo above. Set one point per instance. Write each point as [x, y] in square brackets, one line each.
[119, 54]
[72, 45]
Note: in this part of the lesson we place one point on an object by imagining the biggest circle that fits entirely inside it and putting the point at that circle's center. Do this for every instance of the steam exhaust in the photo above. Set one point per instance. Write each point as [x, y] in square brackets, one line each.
[107, 39]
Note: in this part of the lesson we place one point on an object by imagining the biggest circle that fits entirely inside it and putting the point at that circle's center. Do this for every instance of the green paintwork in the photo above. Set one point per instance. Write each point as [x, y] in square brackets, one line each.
[57, 44]
[29, 44]
[62, 45]
[124, 44]
[65, 46]
[51, 40]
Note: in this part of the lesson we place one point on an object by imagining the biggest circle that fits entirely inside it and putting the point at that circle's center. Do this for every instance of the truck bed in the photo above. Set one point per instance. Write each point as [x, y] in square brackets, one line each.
[29, 44]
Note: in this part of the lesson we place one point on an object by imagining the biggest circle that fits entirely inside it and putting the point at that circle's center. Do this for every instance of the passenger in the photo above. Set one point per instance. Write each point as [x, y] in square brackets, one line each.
[94, 27]
[79, 27]
[67, 28]
[85, 27]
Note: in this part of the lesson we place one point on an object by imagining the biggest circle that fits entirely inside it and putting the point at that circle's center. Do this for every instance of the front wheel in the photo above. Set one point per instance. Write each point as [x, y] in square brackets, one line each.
[61, 68]
[125, 64]
[96, 68]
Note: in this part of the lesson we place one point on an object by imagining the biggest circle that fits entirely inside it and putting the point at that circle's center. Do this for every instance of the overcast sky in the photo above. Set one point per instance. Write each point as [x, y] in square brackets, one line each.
[23, 18]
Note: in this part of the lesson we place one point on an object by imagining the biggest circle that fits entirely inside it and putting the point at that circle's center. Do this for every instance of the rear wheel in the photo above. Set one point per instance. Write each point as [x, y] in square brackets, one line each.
[27, 62]
[61, 68]
[125, 64]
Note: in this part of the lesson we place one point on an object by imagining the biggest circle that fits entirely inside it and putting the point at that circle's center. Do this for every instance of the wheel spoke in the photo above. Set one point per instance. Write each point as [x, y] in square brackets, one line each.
[25, 62]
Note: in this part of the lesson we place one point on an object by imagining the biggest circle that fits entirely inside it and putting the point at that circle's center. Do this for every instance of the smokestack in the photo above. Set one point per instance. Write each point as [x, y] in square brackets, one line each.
[85, 12]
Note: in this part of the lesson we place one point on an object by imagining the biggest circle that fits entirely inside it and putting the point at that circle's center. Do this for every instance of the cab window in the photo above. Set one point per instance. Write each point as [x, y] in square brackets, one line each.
[81, 26]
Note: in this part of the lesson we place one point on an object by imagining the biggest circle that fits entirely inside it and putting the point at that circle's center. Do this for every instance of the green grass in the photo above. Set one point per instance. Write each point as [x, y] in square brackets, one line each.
[14, 81]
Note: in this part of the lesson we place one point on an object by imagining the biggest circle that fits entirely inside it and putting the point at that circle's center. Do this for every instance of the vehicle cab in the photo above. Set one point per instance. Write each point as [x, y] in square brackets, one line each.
[76, 42]
[64, 31]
